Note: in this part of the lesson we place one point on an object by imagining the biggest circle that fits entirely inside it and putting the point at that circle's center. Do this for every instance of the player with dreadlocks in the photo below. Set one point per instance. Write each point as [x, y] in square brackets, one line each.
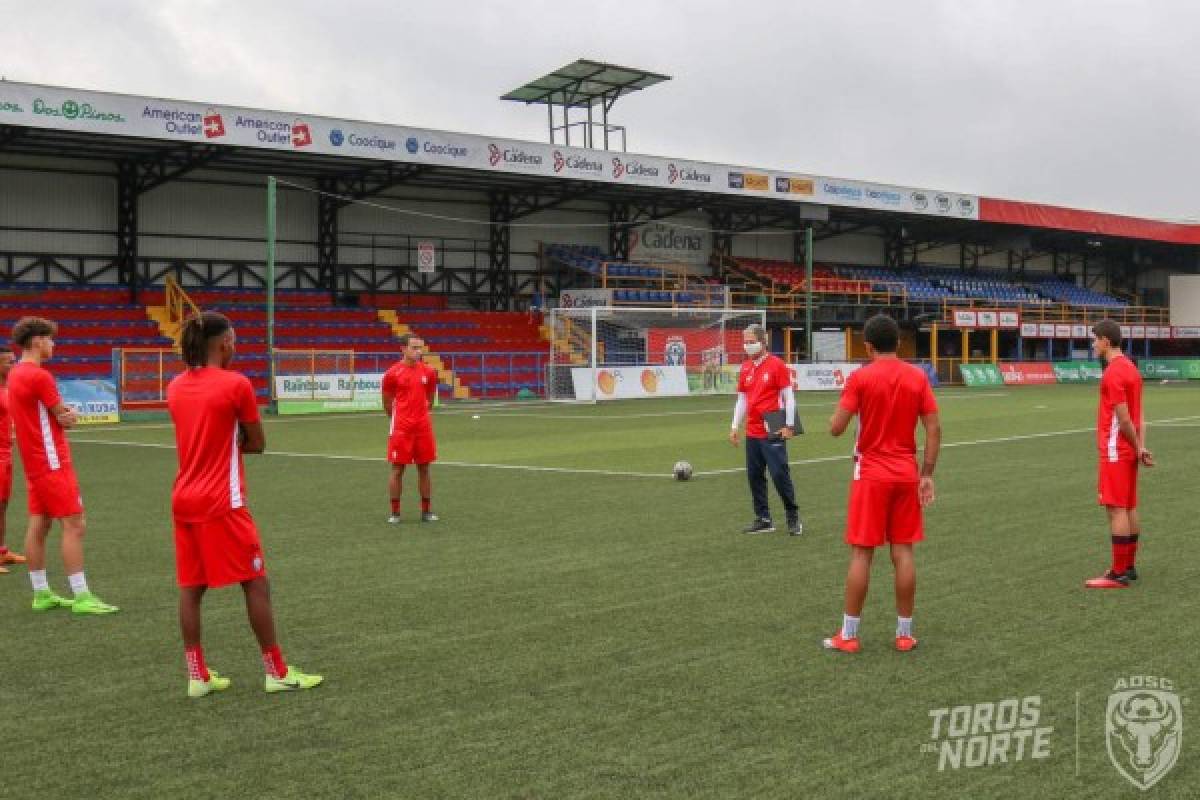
[216, 542]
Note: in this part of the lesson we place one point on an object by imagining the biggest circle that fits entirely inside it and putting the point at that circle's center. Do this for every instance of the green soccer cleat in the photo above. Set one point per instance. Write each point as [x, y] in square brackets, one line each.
[295, 680]
[215, 683]
[45, 600]
[88, 603]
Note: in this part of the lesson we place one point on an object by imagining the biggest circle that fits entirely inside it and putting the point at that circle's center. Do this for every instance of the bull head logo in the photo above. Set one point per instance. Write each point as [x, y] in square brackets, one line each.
[1144, 730]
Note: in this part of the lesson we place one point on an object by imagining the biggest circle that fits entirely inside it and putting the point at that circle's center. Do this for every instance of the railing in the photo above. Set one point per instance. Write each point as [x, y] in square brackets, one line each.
[179, 305]
[1061, 312]
[143, 374]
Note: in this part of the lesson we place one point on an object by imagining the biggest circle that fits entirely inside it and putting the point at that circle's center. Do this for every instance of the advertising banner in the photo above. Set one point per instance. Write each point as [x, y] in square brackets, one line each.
[1010, 320]
[989, 319]
[1029, 329]
[1078, 371]
[95, 402]
[965, 319]
[821, 377]
[981, 375]
[1046, 330]
[426, 257]
[1062, 331]
[36, 106]
[620, 383]
[1028, 373]
[585, 298]
[365, 388]
[1080, 332]
[713, 380]
[661, 241]
[1170, 369]
[1185, 332]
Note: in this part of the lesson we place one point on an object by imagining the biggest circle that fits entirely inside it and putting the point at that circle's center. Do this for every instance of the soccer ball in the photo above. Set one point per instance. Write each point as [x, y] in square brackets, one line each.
[682, 471]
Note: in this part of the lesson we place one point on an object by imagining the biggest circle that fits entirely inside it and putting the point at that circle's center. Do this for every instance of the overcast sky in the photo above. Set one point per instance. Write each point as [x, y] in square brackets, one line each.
[1087, 103]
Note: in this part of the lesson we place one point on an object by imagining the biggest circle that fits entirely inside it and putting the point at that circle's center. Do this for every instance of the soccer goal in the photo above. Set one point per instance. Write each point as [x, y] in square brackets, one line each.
[612, 353]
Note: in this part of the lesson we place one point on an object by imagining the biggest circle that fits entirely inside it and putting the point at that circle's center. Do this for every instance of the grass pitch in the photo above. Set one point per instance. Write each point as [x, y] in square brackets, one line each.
[580, 625]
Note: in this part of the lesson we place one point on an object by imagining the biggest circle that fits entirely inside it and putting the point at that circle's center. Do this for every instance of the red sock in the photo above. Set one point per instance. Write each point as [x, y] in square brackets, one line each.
[425, 501]
[395, 505]
[197, 669]
[1122, 553]
[273, 662]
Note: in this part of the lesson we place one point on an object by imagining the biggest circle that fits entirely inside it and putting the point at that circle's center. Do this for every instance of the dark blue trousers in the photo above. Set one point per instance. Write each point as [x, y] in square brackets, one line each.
[769, 455]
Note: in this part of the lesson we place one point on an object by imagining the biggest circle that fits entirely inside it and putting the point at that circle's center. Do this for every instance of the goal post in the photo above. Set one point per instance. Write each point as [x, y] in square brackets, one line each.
[610, 353]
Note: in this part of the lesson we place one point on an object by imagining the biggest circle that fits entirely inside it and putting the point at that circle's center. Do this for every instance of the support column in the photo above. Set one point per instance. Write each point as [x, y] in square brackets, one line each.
[327, 236]
[618, 229]
[127, 226]
[499, 276]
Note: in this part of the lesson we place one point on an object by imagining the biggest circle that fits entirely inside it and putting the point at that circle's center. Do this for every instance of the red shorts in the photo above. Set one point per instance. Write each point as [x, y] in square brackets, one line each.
[884, 511]
[1118, 484]
[55, 494]
[412, 447]
[218, 552]
[5, 480]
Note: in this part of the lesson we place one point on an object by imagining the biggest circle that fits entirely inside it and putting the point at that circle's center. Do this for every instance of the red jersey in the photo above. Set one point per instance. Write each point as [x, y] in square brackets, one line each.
[761, 383]
[32, 392]
[1121, 383]
[412, 389]
[5, 428]
[889, 397]
[206, 405]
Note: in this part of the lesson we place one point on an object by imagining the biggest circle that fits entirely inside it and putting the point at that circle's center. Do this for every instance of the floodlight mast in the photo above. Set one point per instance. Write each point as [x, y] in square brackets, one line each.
[585, 84]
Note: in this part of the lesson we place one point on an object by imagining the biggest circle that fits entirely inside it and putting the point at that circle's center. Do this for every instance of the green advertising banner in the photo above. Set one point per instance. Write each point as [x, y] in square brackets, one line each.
[1078, 371]
[328, 406]
[1175, 369]
[981, 375]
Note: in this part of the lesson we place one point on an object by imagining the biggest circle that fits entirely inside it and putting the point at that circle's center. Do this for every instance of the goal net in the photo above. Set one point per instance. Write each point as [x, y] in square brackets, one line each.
[610, 353]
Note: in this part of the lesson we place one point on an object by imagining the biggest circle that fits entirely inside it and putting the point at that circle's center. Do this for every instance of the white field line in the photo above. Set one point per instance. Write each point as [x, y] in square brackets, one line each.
[621, 473]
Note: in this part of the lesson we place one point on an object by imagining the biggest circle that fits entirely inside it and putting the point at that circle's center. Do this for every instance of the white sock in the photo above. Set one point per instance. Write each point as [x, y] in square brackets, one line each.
[38, 578]
[904, 626]
[78, 583]
[849, 626]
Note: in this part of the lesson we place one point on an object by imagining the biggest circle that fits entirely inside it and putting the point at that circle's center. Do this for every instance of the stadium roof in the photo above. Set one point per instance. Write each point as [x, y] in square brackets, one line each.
[582, 83]
[177, 135]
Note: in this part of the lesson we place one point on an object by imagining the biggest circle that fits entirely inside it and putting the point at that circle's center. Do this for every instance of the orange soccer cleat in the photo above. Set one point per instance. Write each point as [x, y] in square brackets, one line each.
[1109, 580]
[843, 645]
[905, 643]
[11, 558]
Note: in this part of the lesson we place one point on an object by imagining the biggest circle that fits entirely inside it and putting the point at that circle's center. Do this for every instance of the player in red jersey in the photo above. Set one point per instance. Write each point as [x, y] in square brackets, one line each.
[887, 494]
[6, 434]
[39, 416]
[409, 389]
[765, 386]
[216, 541]
[1120, 437]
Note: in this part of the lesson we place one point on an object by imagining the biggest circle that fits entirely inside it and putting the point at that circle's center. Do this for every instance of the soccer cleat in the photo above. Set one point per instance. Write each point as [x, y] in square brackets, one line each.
[760, 526]
[88, 603]
[1131, 573]
[843, 645]
[45, 600]
[905, 643]
[795, 526]
[215, 683]
[3, 570]
[1109, 580]
[428, 516]
[294, 681]
[12, 558]
[394, 519]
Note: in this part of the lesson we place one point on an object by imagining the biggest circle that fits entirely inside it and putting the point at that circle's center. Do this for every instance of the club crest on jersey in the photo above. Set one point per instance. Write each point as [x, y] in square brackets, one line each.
[1143, 728]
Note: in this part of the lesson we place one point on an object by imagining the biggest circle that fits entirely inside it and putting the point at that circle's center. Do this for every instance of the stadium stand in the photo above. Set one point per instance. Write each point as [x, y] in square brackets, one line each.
[634, 282]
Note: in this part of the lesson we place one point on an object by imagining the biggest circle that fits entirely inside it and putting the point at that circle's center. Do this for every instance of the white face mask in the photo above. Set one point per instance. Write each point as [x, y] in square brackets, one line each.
[752, 348]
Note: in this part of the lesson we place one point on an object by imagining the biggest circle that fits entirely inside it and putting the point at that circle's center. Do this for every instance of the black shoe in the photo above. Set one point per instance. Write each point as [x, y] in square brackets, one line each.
[795, 526]
[1130, 574]
[760, 526]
